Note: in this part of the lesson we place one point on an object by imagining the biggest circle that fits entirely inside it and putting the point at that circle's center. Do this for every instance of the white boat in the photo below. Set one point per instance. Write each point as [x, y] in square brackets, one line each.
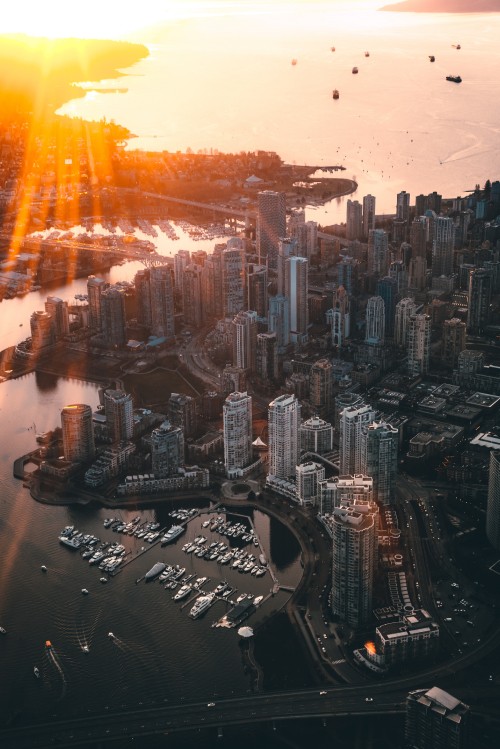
[172, 534]
[241, 597]
[85, 648]
[183, 591]
[43, 568]
[36, 671]
[201, 605]
[103, 579]
[111, 636]
[3, 631]
[85, 591]
[155, 570]
[258, 600]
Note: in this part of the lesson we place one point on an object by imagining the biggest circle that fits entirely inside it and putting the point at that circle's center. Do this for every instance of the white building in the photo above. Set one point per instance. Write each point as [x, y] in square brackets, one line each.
[296, 280]
[493, 507]
[283, 433]
[119, 411]
[419, 344]
[308, 477]
[237, 420]
[352, 421]
[378, 252]
[404, 309]
[340, 490]
[167, 449]
[380, 458]
[375, 320]
[78, 433]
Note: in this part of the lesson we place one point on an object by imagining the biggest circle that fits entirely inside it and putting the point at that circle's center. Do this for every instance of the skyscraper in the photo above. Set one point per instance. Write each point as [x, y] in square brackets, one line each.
[279, 320]
[321, 386]
[167, 450]
[417, 273]
[403, 206]
[344, 490]
[454, 336]
[418, 236]
[257, 289]
[271, 225]
[283, 431]
[182, 413]
[368, 214]
[95, 287]
[308, 477]
[237, 421]
[316, 436]
[354, 546]
[182, 259]
[442, 246]
[347, 274]
[192, 301]
[378, 252]
[340, 317]
[287, 247]
[419, 344]
[354, 220]
[379, 458]
[387, 289]
[435, 720]
[244, 327]
[119, 411]
[162, 302]
[78, 433]
[493, 506]
[266, 359]
[478, 307]
[58, 310]
[296, 275]
[404, 310]
[143, 297]
[233, 278]
[113, 317]
[352, 421]
[375, 320]
[42, 330]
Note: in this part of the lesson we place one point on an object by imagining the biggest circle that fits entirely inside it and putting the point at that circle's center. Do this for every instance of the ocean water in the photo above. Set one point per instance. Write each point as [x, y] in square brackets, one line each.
[225, 81]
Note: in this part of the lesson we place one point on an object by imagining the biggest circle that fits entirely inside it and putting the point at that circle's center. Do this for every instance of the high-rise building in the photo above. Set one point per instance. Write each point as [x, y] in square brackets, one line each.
[352, 421]
[78, 433]
[436, 720]
[417, 273]
[182, 413]
[316, 436]
[95, 287]
[375, 320]
[308, 477]
[368, 214]
[354, 545]
[345, 490]
[397, 271]
[244, 327]
[379, 459]
[354, 220]
[237, 425]
[321, 386]
[271, 225]
[266, 357]
[212, 283]
[113, 316]
[162, 302]
[344, 400]
[419, 344]
[257, 289]
[42, 330]
[192, 301]
[58, 310]
[347, 274]
[387, 289]
[442, 246]
[296, 279]
[404, 310]
[493, 506]
[418, 236]
[167, 450]
[478, 307]
[233, 277]
[119, 411]
[287, 247]
[143, 297]
[454, 336]
[182, 259]
[403, 206]
[378, 252]
[340, 317]
[279, 320]
[283, 432]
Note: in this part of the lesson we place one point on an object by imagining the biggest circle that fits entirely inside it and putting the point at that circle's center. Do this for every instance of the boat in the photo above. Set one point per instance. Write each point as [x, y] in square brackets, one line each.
[103, 579]
[367, 54]
[36, 671]
[454, 78]
[332, 49]
[111, 636]
[172, 534]
[294, 61]
[3, 631]
[258, 600]
[241, 597]
[355, 70]
[183, 591]
[48, 644]
[155, 570]
[201, 605]
[262, 559]
[73, 543]
[85, 591]
[431, 58]
[85, 648]
[43, 568]
[335, 94]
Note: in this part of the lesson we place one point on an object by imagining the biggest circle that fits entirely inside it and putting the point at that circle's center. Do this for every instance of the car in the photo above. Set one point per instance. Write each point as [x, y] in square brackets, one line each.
[368, 699]
[210, 704]
[323, 692]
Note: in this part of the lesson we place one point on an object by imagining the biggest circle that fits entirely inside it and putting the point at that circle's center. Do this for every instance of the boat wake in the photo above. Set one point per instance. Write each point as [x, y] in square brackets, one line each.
[53, 658]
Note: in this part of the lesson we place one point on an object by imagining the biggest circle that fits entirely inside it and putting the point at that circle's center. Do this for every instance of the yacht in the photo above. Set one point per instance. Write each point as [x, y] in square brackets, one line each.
[335, 94]
[73, 543]
[258, 600]
[262, 559]
[85, 591]
[103, 579]
[111, 636]
[155, 570]
[3, 631]
[85, 648]
[454, 78]
[43, 568]
[355, 70]
[201, 605]
[432, 58]
[36, 671]
[172, 534]
[241, 597]
[222, 586]
[183, 591]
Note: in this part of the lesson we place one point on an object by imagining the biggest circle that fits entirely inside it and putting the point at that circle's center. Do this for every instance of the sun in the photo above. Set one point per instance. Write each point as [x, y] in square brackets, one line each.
[91, 19]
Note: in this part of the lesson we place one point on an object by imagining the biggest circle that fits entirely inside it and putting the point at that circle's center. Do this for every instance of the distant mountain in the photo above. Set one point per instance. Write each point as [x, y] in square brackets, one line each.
[446, 6]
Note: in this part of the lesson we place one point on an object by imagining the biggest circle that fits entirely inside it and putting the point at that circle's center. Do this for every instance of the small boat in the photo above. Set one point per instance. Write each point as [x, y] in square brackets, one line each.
[36, 671]
[454, 78]
[103, 580]
[3, 631]
[48, 644]
[258, 600]
[85, 591]
[111, 636]
[432, 58]
[335, 94]
[85, 648]
[355, 70]
[332, 49]
[294, 61]
[367, 54]
[43, 568]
